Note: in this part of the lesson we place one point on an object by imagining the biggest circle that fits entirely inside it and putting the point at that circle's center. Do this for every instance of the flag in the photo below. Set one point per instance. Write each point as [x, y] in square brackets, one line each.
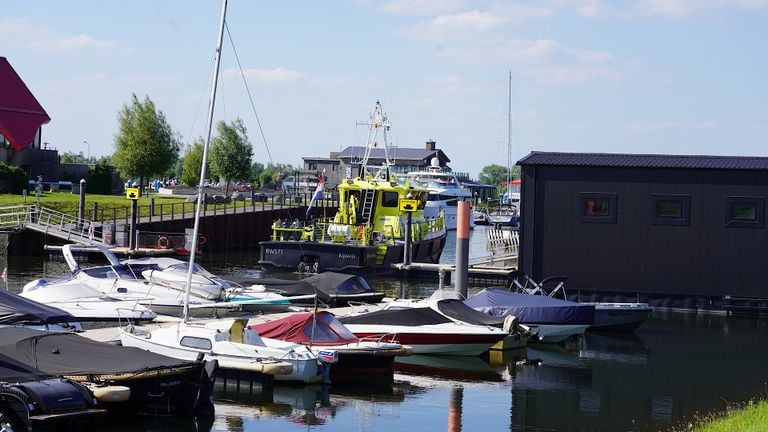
[5, 274]
[318, 192]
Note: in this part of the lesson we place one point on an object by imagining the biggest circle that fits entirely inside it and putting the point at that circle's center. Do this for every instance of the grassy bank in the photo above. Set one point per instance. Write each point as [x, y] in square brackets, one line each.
[753, 417]
[66, 202]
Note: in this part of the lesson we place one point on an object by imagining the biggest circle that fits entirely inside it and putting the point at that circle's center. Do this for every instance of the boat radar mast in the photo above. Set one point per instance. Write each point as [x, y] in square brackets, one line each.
[377, 129]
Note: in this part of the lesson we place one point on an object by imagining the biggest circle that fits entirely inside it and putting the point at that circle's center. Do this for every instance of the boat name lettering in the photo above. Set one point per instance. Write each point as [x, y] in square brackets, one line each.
[272, 251]
[347, 256]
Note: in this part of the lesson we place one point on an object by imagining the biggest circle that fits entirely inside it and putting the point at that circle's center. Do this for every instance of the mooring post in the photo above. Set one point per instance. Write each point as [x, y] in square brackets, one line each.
[82, 204]
[462, 248]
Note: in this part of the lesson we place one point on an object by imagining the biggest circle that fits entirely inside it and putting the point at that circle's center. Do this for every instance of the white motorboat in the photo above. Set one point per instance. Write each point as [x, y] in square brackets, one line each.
[84, 302]
[445, 192]
[120, 281]
[619, 316]
[233, 345]
[425, 330]
[321, 331]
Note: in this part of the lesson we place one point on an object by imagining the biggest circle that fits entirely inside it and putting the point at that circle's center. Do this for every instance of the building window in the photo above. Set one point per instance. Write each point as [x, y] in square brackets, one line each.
[335, 167]
[597, 207]
[671, 209]
[744, 212]
[312, 166]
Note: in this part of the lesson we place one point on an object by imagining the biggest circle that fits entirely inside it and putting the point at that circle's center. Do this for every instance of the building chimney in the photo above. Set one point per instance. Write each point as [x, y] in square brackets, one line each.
[431, 145]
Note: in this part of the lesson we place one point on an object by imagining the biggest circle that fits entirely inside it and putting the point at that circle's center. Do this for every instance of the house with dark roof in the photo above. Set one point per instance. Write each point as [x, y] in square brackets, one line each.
[674, 231]
[21, 120]
[346, 163]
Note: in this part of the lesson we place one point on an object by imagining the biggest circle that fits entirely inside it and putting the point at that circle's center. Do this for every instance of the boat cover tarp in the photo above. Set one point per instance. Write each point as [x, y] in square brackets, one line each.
[298, 328]
[69, 354]
[15, 309]
[405, 317]
[13, 371]
[456, 309]
[531, 309]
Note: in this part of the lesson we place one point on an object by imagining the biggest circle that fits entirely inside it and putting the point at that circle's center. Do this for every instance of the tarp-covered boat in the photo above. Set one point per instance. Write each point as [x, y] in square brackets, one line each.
[322, 331]
[426, 330]
[16, 310]
[554, 319]
[158, 384]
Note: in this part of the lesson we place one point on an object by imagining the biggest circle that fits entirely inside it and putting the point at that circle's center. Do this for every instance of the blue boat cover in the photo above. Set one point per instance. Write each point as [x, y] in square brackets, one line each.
[531, 309]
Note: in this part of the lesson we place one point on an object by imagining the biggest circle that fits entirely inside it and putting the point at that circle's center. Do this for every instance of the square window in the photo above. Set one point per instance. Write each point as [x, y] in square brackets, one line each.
[671, 209]
[744, 212]
[597, 207]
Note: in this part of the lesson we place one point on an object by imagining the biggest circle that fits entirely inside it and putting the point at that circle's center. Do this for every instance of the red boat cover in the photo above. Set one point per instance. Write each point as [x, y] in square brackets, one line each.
[298, 328]
[20, 113]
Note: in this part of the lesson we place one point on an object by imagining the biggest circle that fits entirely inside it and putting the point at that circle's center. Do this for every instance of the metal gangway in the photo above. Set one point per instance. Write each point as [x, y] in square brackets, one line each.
[51, 222]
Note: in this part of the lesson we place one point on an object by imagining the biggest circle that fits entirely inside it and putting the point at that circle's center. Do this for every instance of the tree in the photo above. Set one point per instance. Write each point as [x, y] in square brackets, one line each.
[231, 152]
[496, 174]
[192, 163]
[99, 179]
[145, 144]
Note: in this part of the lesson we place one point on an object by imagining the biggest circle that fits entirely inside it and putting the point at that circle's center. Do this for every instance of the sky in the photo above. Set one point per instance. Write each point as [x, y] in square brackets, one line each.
[621, 76]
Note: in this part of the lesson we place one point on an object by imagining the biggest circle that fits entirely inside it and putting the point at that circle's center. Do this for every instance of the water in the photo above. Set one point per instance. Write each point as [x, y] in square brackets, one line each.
[672, 368]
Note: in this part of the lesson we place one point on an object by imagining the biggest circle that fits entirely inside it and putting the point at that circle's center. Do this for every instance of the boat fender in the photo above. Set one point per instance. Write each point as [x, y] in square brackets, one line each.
[111, 393]
[510, 323]
[162, 242]
[360, 232]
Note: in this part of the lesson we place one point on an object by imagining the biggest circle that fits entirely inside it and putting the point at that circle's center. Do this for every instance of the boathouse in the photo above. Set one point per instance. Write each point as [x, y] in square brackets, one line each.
[684, 232]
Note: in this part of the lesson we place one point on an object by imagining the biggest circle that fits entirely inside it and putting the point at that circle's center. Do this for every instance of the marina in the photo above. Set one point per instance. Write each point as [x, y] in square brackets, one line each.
[677, 365]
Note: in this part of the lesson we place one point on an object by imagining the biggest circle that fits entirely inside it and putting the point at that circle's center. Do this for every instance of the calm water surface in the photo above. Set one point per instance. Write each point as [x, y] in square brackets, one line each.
[673, 367]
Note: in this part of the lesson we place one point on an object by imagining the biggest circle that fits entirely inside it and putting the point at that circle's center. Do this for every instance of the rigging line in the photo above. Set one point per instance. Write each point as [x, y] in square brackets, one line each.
[248, 90]
[191, 141]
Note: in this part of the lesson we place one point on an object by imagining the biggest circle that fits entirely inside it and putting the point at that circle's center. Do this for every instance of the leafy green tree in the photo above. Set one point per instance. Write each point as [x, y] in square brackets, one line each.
[145, 144]
[192, 163]
[496, 174]
[231, 152]
[99, 179]
[12, 179]
[256, 169]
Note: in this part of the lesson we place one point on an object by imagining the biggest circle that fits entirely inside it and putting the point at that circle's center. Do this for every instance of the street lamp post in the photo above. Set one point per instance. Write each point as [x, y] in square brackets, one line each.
[89, 149]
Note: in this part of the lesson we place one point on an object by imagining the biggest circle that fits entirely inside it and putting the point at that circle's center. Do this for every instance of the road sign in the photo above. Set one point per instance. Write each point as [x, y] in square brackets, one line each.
[409, 205]
[132, 193]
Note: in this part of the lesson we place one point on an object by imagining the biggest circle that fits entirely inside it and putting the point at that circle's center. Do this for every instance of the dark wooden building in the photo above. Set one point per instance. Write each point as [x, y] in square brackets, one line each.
[683, 232]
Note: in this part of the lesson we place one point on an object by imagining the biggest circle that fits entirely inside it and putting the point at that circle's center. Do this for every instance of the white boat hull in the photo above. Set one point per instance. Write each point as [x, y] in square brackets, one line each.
[556, 333]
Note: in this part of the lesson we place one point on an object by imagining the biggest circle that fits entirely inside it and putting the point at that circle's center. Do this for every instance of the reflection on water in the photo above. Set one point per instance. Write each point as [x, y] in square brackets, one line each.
[673, 367]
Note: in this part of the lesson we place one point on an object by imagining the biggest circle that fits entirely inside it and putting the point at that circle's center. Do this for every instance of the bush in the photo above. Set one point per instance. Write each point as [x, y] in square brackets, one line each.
[12, 179]
[99, 179]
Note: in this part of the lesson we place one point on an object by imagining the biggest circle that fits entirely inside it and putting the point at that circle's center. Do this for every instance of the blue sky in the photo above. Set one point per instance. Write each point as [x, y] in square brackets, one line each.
[633, 76]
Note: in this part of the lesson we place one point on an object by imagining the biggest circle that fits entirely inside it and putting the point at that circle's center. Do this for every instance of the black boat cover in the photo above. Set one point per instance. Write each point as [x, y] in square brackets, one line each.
[406, 317]
[14, 371]
[456, 309]
[60, 353]
[15, 309]
[339, 284]
[531, 309]
[285, 287]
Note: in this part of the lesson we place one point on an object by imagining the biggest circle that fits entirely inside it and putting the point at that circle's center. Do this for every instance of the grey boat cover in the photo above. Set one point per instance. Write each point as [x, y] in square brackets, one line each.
[335, 285]
[405, 317]
[60, 353]
[16, 310]
[457, 310]
[531, 309]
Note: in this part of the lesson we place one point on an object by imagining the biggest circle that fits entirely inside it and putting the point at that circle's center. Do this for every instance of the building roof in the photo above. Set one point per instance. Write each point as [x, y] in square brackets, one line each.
[395, 153]
[623, 160]
[21, 115]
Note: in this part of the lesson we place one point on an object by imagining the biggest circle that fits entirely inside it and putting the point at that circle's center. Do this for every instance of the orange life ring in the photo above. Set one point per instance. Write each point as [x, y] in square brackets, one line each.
[162, 243]
[201, 240]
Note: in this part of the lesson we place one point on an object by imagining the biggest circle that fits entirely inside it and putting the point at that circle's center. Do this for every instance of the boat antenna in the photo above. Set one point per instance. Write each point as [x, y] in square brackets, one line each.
[203, 167]
[378, 125]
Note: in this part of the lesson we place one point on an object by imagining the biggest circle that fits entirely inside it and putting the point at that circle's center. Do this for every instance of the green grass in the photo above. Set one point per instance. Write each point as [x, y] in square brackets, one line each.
[752, 417]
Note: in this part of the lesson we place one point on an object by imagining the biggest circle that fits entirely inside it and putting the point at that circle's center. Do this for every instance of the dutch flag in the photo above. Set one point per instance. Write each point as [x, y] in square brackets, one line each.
[318, 192]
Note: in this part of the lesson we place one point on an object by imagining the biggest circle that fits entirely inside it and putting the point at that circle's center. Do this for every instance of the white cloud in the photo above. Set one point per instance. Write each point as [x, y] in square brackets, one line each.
[23, 33]
[421, 7]
[454, 27]
[272, 76]
[646, 126]
[565, 75]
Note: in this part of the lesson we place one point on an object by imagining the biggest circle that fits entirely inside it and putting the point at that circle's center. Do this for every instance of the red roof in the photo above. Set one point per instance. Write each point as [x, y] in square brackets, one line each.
[297, 328]
[21, 115]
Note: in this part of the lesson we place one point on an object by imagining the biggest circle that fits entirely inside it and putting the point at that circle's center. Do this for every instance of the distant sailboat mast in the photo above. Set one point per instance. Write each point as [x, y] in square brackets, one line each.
[509, 141]
[204, 165]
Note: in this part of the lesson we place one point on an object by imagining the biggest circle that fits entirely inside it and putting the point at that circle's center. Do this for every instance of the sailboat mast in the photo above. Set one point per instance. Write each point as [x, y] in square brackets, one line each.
[204, 166]
[509, 140]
